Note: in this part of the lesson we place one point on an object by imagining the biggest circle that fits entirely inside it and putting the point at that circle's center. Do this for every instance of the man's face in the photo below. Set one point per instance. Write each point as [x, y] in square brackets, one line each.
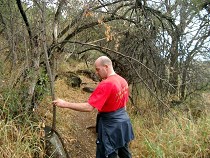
[101, 70]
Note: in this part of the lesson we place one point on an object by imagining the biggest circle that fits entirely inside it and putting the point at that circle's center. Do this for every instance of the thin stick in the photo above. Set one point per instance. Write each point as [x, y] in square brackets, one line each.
[49, 71]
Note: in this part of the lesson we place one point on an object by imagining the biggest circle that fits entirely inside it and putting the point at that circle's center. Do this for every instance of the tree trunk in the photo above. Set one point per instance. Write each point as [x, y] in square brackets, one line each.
[174, 68]
[34, 60]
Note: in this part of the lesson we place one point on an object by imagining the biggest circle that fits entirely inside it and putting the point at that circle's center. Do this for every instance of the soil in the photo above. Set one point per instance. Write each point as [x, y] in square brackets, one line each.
[77, 129]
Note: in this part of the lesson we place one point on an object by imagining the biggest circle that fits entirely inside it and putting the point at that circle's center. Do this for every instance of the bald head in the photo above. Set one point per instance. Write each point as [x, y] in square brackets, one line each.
[104, 67]
[104, 60]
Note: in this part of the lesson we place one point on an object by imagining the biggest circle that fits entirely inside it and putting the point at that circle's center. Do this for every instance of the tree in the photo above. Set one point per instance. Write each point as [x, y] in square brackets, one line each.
[151, 43]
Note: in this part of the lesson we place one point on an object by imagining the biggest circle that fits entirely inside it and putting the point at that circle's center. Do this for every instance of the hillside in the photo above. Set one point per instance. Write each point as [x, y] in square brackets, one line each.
[74, 127]
[155, 136]
[79, 137]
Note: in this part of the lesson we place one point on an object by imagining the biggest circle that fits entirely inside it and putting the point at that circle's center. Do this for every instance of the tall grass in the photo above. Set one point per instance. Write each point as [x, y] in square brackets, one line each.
[167, 139]
[17, 141]
[20, 133]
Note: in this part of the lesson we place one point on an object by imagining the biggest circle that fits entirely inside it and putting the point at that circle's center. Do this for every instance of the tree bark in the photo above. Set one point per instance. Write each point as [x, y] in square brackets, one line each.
[33, 75]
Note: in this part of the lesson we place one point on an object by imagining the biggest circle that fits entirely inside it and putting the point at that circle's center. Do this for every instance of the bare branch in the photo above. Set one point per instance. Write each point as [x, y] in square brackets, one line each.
[25, 20]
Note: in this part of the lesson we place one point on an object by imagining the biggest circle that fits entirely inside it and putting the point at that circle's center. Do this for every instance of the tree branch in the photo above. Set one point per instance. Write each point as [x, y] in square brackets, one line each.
[20, 7]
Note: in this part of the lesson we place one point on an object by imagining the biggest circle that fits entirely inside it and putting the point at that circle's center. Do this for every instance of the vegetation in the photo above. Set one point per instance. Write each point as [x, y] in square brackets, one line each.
[169, 139]
[161, 48]
[20, 137]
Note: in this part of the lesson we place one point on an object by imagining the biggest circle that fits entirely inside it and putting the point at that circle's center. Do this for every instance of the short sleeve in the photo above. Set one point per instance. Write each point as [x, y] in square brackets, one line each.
[99, 97]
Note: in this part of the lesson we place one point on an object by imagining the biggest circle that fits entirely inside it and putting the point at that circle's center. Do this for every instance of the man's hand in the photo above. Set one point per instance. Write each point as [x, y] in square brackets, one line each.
[60, 103]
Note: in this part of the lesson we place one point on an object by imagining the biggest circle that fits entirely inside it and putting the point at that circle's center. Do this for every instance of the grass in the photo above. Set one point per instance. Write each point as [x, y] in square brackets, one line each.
[154, 137]
[167, 139]
[17, 141]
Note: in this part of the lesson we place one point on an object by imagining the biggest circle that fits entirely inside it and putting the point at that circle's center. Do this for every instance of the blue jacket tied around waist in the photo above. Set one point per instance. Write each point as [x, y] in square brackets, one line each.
[114, 130]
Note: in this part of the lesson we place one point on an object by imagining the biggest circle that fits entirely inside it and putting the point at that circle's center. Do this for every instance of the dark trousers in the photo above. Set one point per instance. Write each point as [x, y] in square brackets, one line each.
[122, 152]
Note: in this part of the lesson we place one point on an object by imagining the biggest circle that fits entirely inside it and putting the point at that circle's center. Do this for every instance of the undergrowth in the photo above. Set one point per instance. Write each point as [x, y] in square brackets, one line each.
[20, 137]
[169, 138]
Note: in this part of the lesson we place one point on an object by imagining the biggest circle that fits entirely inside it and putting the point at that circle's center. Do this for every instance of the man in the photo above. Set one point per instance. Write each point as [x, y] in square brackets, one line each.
[109, 98]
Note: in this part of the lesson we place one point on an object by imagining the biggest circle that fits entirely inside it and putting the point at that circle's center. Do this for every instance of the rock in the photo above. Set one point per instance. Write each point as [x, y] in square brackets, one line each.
[54, 145]
[72, 79]
[88, 89]
[90, 74]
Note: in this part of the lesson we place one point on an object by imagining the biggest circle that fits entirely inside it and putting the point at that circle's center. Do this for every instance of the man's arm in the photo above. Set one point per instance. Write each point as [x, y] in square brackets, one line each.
[83, 107]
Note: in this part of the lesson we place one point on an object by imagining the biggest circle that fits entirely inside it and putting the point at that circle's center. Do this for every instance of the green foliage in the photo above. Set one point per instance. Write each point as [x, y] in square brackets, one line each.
[198, 4]
[154, 148]
[11, 104]
[42, 87]
[12, 99]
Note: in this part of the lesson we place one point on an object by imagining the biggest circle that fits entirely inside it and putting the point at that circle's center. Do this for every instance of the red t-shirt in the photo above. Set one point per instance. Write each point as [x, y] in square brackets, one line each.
[110, 95]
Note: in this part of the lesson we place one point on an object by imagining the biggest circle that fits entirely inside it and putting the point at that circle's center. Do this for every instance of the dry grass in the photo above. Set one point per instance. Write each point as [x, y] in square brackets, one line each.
[19, 141]
[153, 137]
[167, 139]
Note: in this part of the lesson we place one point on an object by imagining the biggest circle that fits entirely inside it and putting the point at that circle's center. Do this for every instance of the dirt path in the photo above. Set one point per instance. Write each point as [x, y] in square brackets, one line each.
[73, 126]
[82, 143]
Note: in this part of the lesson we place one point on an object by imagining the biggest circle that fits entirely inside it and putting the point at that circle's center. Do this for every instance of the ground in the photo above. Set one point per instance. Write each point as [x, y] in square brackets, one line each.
[76, 128]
